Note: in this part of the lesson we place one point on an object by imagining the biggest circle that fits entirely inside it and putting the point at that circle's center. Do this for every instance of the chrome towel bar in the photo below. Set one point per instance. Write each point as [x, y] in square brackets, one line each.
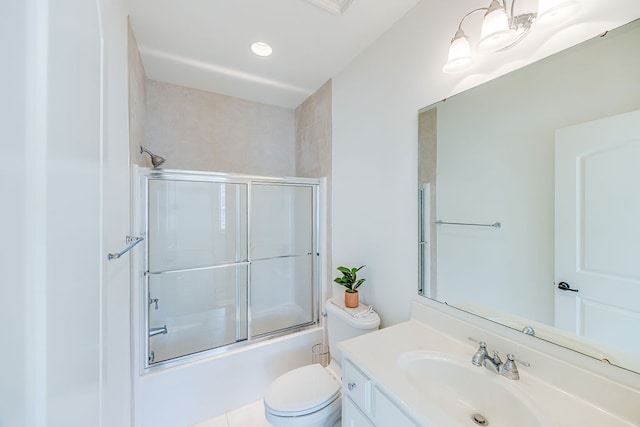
[158, 331]
[494, 225]
[132, 241]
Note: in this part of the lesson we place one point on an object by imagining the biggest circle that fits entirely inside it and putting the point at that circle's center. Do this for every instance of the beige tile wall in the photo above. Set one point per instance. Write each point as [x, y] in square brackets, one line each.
[313, 152]
[199, 130]
[137, 101]
[313, 134]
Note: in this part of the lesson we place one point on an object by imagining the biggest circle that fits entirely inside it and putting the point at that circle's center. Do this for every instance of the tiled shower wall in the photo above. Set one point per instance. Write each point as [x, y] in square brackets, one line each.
[313, 154]
[199, 130]
[137, 100]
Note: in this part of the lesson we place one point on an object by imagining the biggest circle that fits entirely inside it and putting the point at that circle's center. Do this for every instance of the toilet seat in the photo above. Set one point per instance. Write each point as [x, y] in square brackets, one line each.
[302, 391]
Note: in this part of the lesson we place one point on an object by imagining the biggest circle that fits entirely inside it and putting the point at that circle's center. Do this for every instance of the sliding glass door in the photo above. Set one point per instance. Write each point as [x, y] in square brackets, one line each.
[197, 266]
[229, 259]
[282, 256]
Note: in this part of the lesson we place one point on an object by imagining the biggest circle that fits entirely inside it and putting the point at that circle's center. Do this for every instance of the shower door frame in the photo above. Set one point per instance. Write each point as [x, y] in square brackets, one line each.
[140, 262]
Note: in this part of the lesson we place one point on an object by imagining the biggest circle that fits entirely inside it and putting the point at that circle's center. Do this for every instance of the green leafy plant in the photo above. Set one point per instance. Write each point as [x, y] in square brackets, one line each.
[349, 278]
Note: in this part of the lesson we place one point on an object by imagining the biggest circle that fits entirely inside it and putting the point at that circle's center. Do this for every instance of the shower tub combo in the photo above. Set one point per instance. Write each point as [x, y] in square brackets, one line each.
[226, 291]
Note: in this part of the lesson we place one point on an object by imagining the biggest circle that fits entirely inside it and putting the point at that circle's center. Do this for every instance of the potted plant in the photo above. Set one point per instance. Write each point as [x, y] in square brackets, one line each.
[350, 281]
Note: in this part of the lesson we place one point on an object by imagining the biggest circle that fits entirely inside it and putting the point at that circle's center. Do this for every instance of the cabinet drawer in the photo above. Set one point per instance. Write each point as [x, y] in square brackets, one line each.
[357, 386]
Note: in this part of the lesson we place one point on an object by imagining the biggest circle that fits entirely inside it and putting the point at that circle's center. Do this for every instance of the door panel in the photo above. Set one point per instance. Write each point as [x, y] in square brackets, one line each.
[607, 323]
[597, 248]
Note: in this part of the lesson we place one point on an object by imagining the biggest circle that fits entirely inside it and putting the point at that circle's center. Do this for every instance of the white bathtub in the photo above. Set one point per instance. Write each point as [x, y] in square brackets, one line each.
[195, 391]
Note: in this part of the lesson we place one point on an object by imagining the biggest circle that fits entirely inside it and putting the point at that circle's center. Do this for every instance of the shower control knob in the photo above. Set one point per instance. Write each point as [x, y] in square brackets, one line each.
[351, 386]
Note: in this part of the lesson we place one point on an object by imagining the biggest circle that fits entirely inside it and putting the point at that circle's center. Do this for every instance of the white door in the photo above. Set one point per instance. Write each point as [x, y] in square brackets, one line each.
[63, 307]
[597, 243]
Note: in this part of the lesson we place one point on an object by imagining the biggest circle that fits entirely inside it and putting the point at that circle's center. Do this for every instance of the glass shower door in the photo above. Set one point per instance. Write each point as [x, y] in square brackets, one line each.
[282, 253]
[197, 266]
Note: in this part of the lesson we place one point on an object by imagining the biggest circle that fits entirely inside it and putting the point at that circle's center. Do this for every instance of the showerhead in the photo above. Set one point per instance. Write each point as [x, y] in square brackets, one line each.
[156, 160]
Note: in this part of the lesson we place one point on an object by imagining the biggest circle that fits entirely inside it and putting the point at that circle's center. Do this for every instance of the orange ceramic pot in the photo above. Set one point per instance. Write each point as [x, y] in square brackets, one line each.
[351, 299]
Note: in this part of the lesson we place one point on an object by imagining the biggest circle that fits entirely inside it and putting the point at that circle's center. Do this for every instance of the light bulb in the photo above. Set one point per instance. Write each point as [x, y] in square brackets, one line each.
[495, 33]
[459, 54]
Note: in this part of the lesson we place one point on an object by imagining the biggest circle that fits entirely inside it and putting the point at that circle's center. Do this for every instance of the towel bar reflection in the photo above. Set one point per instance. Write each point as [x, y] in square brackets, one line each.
[132, 242]
[494, 225]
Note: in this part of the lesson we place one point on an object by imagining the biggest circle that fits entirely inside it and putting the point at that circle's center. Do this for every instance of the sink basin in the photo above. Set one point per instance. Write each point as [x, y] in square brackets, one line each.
[460, 391]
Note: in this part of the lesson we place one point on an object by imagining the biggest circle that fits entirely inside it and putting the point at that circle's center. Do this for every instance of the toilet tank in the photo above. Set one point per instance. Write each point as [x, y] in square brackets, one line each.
[342, 325]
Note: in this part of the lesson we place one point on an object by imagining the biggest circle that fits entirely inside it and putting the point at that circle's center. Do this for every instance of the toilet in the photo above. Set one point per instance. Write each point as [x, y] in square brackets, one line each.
[310, 396]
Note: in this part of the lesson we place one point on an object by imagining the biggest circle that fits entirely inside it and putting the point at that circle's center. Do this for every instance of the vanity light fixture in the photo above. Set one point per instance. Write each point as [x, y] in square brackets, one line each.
[261, 49]
[502, 29]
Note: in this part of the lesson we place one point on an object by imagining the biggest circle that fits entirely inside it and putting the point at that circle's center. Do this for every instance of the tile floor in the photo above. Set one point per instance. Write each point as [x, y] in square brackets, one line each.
[251, 415]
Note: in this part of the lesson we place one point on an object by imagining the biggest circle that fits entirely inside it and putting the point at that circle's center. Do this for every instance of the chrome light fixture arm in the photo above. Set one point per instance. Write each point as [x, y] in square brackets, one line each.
[502, 28]
[469, 14]
[519, 24]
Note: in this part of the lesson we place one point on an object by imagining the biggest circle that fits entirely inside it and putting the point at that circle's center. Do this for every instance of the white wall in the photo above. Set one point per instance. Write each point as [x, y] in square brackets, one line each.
[13, 223]
[115, 206]
[67, 122]
[375, 103]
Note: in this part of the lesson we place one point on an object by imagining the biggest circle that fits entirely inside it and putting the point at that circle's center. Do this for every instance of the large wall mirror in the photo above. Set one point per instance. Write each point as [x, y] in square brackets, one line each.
[530, 199]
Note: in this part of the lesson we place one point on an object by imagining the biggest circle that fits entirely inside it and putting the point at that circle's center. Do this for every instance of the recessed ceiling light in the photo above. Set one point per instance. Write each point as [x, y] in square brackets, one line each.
[261, 49]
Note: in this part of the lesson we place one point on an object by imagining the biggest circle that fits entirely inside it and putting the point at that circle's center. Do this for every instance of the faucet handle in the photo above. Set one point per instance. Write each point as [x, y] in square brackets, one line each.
[481, 353]
[513, 358]
[510, 369]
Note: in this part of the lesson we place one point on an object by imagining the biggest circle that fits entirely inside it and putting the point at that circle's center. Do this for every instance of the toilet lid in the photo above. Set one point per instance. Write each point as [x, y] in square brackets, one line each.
[302, 391]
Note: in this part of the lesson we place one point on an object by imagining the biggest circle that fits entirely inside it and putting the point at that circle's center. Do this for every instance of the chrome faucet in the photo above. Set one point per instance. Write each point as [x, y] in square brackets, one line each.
[507, 369]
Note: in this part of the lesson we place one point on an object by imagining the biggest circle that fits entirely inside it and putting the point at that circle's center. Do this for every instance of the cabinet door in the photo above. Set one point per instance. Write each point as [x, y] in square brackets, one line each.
[352, 416]
[386, 413]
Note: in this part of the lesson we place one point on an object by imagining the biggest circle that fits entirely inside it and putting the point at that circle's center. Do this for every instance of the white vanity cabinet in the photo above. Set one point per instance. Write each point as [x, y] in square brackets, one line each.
[365, 405]
[352, 416]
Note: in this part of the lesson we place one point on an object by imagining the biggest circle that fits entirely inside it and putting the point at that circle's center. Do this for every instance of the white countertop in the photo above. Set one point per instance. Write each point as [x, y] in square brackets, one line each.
[377, 353]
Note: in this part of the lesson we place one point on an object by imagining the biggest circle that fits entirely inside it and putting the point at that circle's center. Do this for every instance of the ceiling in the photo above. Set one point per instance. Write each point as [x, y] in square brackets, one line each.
[204, 44]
